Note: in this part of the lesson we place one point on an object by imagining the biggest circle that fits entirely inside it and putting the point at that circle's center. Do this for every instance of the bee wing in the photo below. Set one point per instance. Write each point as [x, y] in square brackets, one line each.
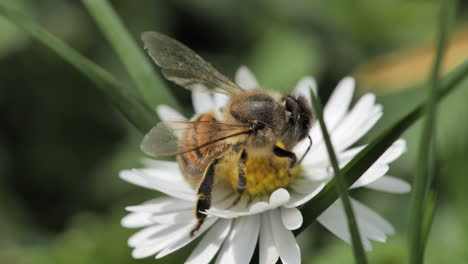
[183, 66]
[165, 138]
[160, 141]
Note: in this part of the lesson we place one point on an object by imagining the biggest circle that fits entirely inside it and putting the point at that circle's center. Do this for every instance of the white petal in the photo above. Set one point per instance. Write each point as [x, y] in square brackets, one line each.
[176, 215]
[360, 119]
[334, 219]
[311, 162]
[267, 249]
[186, 239]
[160, 241]
[278, 198]
[298, 199]
[303, 88]
[284, 240]
[135, 220]
[220, 100]
[170, 182]
[180, 217]
[350, 125]
[240, 245]
[345, 135]
[141, 236]
[339, 102]
[169, 172]
[291, 217]
[202, 101]
[390, 184]
[362, 129]
[373, 173]
[393, 152]
[380, 167]
[370, 225]
[335, 109]
[347, 128]
[371, 217]
[159, 205]
[305, 186]
[316, 173]
[238, 210]
[245, 78]
[349, 154]
[211, 242]
[167, 113]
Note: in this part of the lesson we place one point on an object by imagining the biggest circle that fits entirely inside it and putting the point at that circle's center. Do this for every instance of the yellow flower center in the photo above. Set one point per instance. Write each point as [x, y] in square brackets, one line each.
[264, 174]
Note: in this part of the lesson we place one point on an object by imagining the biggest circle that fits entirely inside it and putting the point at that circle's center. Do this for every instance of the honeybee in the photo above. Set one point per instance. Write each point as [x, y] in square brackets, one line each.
[254, 123]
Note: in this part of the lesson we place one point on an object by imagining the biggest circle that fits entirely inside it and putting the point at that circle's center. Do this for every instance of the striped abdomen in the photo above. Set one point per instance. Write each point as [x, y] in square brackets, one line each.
[194, 163]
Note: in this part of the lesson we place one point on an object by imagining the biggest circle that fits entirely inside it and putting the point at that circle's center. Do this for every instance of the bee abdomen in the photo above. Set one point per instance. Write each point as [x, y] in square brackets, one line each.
[194, 163]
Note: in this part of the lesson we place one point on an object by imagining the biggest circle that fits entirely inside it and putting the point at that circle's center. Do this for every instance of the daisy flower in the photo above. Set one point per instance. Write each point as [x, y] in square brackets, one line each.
[270, 212]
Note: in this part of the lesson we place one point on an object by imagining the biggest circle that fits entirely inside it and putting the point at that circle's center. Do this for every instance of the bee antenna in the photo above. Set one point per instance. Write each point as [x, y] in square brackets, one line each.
[307, 151]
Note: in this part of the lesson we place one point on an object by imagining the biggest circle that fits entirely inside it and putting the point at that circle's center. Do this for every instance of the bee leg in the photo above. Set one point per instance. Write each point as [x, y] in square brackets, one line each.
[307, 150]
[204, 195]
[241, 180]
[285, 154]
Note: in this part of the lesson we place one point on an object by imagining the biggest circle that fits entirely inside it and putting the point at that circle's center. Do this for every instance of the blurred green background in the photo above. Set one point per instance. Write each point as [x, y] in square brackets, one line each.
[62, 144]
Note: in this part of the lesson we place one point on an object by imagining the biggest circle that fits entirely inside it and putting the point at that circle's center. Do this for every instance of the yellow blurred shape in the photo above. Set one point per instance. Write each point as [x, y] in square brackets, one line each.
[408, 66]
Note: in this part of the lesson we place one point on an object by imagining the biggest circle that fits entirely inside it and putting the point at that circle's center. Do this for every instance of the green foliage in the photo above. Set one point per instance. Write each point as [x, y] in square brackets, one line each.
[12, 38]
[132, 55]
[422, 209]
[89, 239]
[124, 99]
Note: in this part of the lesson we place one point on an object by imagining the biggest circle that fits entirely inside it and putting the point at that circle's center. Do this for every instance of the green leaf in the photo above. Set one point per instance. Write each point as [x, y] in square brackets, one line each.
[417, 232]
[341, 187]
[154, 90]
[124, 99]
[366, 157]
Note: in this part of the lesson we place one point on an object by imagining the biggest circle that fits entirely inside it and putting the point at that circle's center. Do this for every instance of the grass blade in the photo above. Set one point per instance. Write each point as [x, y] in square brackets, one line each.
[422, 179]
[341, 187]
[141, 70]
[428, 218]
[366, 157]
[126, 101]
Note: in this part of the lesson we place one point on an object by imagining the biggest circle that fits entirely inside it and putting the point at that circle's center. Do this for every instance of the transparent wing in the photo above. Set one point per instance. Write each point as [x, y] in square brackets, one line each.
[160, 141]
[167, 138]
[183, 66]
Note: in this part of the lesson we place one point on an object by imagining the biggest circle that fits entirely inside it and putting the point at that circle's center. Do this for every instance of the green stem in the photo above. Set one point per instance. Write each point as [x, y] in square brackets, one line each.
[125, 100]
[341, 187]
[422, 180]
[366, 157]
[428, 218]
[141, 70]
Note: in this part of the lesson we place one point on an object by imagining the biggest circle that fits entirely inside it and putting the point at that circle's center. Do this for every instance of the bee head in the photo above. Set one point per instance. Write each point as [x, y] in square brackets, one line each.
[298, 117]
